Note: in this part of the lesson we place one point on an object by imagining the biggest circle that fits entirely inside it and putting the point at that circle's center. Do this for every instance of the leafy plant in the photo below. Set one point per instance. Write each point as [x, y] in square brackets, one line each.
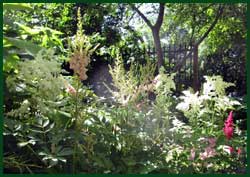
[132, 84]
[206, 147]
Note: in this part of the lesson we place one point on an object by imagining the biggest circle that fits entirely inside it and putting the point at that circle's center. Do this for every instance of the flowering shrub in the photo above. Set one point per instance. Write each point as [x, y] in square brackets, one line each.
[210, 146]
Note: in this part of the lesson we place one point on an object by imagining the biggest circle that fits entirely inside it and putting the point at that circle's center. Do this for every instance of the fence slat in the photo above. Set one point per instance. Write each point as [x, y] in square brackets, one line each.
[169, 58]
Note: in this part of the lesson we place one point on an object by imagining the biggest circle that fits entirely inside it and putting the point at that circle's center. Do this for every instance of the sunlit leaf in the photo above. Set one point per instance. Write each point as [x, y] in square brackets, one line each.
[16, 6]
[29, 47]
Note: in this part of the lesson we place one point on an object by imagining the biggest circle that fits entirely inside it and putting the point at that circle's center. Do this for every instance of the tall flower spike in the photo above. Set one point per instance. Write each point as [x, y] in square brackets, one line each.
[81, 49]
[80, 58]
[228, 126]
[229, 120]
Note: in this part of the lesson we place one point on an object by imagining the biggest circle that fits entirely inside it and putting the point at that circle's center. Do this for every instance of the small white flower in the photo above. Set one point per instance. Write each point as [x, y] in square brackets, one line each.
[225, 148]
[88, 122]
[208, 88]
[183, 106]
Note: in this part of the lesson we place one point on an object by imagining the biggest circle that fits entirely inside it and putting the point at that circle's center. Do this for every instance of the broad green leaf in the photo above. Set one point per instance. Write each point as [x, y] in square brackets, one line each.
[45, 123]
[47, 30]
[62, 159]
[45, 40]
[16, 6]
[10, 62]
[31, 31]
[52, 163]
[22, 144]
[64, 113]
[42, 153]
[65, 152]
[36, 131]
[29, 47]
[6, 43]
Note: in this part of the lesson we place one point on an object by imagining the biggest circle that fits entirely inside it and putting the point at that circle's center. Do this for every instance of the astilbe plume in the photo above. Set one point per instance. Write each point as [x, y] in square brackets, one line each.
[80, 57]
[79, 62]
[228, 126]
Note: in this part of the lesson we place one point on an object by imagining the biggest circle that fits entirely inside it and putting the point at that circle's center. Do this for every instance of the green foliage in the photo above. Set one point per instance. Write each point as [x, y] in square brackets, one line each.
[27, 46]
[207, 109]
[165, 83]
[43, 111]
[35, 77]
[206, 114]
[44, 35]
[81, 43]
[125, 82]
[132, 83]
[96, 138]
[215, 86]
[21, 41]
[16, 6]
[30, 120]
[56, 124]
[17, 164]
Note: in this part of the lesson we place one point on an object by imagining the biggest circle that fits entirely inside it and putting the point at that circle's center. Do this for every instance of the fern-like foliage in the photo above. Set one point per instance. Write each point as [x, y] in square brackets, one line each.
[35, 76]
[131, 84]
[125, 82]
[215, 86]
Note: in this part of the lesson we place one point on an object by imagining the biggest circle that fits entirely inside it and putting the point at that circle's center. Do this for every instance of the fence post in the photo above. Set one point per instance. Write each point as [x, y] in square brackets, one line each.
[179, 58]
[169, 58]
[195, 69]
[191, 62]
[185, 63]
[164, 50]
[144, 52]
[149, 50]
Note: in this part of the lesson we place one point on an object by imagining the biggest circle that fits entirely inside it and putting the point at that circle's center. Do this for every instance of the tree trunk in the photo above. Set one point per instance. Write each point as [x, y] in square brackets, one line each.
[195, 69]
[155, 30]
[158, 48]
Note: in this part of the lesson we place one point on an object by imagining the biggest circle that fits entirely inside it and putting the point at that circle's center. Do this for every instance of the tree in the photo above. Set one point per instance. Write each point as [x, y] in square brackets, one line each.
[199, 20]
[196, 48]
[155, 30]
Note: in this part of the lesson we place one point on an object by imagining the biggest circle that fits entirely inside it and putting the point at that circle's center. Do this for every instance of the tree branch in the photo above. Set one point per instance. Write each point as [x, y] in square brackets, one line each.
[160, 16]
[219, 13]
[191, 41]
[141, 15]
[132, 16]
